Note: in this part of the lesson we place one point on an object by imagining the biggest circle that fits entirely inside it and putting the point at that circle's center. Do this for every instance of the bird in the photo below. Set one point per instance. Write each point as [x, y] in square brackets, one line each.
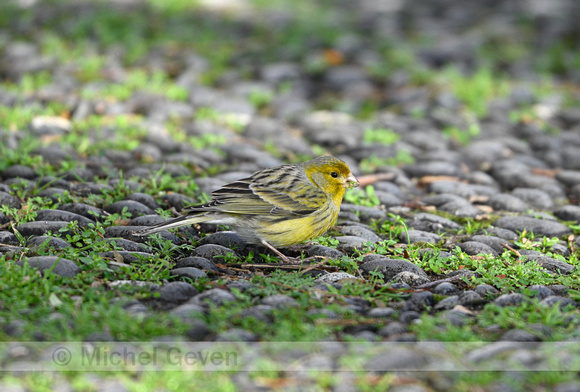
[277, 206]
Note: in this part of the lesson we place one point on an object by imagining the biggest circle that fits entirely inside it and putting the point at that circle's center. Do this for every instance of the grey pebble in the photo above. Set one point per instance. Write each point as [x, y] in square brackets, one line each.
[562, 302]
[397, 359]
[144, 199]
[445, 288]
[48, 241]
[551, 264]
[125, 183]
[280, 301]
[417, 236]
[388, 199]
[392, 329]
[198, 330]
[323, 251]
[350, 243]
[506, 202]
[456, 318]
[561, 250]
[19, 171]
[196, 262]
[62, 216]
[365, 336]
[227, 239]
[382, 312]
[540, 292]
[437, 254]
[54, 155]
[473, 248]
[420, 301]
[519, 335]
[436, 223]
[366, 214]
[256, 314]
[178, 201]
[388, 267]
[135, 283]
[22, 183]
[236, 335]
[123, 256]
[127, 233]
[215, 296]
[568, 213]
[127, 245]
[568, 177]
[324, 313]
[409, 278]
[86, 189]
[534, 197]
[486, 290]
[8, 238]
[334, 277]
[63, 267]
[513, 299]
[491, 350]
[570, 386]
[433, 168]
[559, 289]
[187, 272]
[360, 232]
[147, 220]
[133, 207]
[188, 311]
[177, 292]
[85, 210]
[84, 176]
[495, 243]
[453, 204]
[213, 253]
[7, 199]
[14, 328]
[469, 298]
[505, 234]
[138, 308]
[353, 309]
[242, 285]
[540, 227]
[409, 316]
[322, 128]
[447, 303]
[46, 181]
[461, 189]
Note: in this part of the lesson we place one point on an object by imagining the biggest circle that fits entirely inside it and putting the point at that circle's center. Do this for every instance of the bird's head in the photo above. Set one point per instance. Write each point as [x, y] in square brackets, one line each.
[332, 175]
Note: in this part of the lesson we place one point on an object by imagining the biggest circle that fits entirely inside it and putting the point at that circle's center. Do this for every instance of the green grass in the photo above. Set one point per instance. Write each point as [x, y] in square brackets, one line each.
[561, 323]
[476, 90]
[380, 136]
[362, 197]
[373, 163]
[507, 272]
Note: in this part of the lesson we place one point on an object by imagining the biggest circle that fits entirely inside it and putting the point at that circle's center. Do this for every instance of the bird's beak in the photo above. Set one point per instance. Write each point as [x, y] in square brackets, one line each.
[351, 181]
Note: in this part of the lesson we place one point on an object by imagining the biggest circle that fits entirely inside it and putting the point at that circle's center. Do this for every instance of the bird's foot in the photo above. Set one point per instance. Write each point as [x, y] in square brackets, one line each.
[285, 259]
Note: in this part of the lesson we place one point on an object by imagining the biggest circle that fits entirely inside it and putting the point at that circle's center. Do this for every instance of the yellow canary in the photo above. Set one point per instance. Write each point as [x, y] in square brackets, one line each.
[275, 207]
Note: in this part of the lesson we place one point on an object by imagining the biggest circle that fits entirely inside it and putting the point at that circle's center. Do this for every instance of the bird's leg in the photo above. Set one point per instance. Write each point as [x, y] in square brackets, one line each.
[282, 256]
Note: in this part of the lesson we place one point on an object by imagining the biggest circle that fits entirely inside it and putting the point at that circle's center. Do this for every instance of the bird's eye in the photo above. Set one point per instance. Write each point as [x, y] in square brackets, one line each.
[334, 174]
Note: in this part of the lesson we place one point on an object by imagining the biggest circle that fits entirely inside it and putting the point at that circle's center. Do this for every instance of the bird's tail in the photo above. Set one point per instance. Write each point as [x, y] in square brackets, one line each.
[183, 220]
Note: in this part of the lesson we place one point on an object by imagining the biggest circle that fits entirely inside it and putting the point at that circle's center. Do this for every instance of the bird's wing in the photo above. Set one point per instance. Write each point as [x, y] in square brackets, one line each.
[254, 196]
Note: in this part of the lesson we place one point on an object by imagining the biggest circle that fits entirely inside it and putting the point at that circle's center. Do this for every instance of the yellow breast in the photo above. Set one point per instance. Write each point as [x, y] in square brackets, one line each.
[297, 230]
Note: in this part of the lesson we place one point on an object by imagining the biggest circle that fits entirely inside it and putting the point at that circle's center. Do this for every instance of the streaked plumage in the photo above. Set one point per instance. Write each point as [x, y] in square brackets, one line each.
[276, 207]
